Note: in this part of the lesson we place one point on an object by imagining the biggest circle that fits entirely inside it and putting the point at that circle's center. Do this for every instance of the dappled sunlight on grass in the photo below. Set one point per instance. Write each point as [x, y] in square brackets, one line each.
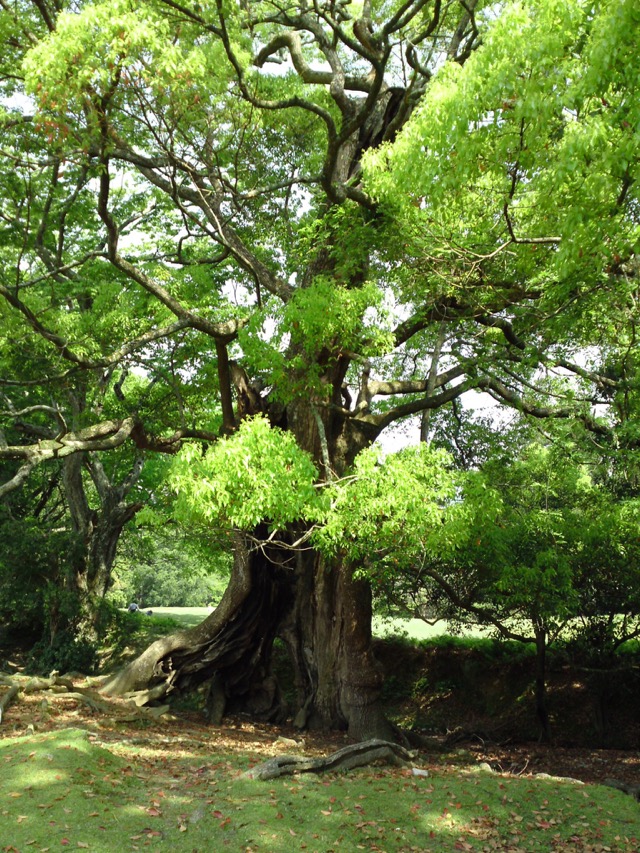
[186, 791]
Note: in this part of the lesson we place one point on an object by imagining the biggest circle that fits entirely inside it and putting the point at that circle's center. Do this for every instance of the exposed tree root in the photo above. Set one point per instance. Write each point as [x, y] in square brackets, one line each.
[356, 755]
[632, 790]
[64, 688]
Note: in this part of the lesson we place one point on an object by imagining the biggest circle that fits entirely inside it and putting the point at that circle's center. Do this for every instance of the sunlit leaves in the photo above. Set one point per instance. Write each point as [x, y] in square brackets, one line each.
[536, 138]
[388, 509]
[107, 37]
[257, 474]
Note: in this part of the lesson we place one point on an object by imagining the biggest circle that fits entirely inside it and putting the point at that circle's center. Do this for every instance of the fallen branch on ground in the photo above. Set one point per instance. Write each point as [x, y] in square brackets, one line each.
[8, 697]
[356, 755]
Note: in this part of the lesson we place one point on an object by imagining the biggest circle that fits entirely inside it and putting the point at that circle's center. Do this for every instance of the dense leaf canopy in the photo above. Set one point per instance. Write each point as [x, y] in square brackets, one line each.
[188, 193]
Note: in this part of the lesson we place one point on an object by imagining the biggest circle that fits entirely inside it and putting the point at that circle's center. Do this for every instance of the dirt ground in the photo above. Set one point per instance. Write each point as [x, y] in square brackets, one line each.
[465, 711]
[483, 711]
[186, 732]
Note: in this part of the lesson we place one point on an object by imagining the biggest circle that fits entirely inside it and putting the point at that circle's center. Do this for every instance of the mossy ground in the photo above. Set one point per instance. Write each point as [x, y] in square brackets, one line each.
[181, 788]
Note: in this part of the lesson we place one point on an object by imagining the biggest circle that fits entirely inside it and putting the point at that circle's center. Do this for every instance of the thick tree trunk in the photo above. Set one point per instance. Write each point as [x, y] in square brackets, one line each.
[231, 649]
[322, 614]
[316, 606]
[328, 634]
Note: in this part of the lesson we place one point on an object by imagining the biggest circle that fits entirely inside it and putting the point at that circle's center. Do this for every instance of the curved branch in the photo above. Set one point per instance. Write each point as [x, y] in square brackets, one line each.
[293, 43]
[103, 436]
[204, 199]
[535, 241]
[19, 478]
[413, 386]
[347, 758]
[286, 103]
[501, 393]
[483, 616]
[407, 12]
[382, 419]
[223, 330]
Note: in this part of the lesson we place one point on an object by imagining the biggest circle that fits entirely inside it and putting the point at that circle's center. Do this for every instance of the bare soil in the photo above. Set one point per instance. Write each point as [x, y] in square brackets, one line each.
[482, 710]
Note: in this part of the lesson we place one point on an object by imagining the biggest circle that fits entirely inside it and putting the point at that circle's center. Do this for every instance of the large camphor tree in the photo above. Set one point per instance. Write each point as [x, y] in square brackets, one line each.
[316, 219]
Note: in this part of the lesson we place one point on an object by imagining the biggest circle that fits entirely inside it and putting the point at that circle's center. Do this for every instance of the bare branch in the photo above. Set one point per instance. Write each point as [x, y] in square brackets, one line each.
[19, 478]
[293, 43]
[500, 392]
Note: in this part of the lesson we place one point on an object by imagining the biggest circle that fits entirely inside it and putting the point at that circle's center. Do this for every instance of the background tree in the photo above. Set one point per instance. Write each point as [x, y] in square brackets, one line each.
[170, 568]
[531, 548]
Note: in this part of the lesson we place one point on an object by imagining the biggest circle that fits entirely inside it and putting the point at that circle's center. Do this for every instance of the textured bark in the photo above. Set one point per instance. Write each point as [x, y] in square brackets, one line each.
[313, 604]
[324, 617]
[231, 648]
[328, 634]
[97, 533]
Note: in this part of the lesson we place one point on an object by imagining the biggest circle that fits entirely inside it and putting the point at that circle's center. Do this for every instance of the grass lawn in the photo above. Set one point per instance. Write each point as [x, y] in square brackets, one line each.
[182, 790]
[417, 629]
[186, 616]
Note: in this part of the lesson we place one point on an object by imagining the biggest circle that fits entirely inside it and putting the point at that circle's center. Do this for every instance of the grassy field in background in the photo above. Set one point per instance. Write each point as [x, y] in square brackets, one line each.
[187, 616]
[416, 629]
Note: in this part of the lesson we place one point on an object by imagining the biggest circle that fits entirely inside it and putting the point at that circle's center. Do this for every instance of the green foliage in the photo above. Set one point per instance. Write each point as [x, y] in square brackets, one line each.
[160, 569]
[259, 473]
[506, 228]
[535, 544]
[536, 137]
[386, 511]
[109, 49]
[327, 314]
[31, 559]
[67, 652]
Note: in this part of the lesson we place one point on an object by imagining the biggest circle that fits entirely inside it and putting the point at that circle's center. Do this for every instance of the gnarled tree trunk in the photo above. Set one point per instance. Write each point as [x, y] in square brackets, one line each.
[319, 610]
[328, 634]
[231, 647]
[314, 604]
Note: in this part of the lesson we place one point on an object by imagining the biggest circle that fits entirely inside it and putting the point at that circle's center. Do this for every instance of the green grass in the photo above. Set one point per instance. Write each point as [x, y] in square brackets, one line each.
[415, 629]
[61, 790]
[186, 617]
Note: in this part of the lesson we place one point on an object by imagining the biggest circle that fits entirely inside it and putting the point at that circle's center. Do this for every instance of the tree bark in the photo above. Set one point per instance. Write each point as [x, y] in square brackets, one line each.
[541, 684]
[314, 604]
[347, 758]
[328, 634]
[231, 648]
[322, 614]
[97, 533]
